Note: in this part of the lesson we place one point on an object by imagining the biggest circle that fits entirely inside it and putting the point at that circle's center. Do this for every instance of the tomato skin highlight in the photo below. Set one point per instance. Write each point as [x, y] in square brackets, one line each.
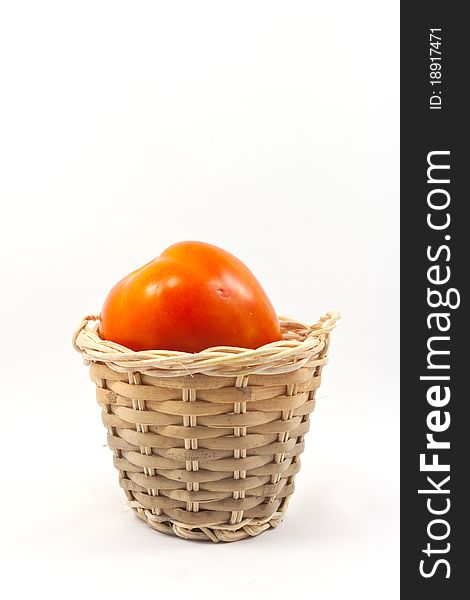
[192, 297]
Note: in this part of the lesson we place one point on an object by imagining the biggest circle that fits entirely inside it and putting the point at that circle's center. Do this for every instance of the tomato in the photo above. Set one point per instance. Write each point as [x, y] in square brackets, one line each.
[193, 296]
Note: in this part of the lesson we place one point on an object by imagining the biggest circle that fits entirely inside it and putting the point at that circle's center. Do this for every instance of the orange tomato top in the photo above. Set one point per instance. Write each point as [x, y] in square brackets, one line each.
[193, 296]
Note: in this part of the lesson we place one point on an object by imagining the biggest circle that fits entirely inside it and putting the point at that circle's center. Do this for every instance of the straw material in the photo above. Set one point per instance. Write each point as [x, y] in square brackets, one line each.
[207, 445]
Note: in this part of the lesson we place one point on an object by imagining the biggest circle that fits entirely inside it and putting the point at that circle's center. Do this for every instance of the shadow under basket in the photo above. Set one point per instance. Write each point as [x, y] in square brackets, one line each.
[207, 445]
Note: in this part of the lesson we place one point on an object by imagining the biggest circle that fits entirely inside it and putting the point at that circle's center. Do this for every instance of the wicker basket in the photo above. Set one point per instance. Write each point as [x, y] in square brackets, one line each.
[207, 445]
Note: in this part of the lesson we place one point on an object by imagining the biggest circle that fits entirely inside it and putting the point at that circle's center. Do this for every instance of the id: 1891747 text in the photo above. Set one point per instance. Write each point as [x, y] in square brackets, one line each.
[435, 69]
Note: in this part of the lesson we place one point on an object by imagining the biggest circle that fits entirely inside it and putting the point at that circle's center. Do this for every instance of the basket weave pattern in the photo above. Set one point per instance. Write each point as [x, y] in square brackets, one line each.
[207, 445]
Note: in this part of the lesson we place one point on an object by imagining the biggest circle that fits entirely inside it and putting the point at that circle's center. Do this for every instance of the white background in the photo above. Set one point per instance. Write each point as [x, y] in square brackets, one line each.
[268, 128]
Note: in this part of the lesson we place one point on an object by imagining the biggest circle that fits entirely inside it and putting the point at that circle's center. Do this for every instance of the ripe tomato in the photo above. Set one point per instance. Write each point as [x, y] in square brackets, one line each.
[193, 296]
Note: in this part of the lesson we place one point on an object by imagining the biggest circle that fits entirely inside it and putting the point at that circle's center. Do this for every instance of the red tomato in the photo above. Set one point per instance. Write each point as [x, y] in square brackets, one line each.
[193, 296]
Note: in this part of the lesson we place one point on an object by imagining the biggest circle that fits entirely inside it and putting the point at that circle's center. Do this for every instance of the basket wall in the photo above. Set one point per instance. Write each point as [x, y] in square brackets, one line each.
[204, 456]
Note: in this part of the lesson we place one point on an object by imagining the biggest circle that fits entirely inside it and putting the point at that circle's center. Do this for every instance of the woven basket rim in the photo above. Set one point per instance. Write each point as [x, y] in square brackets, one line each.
[301, 344]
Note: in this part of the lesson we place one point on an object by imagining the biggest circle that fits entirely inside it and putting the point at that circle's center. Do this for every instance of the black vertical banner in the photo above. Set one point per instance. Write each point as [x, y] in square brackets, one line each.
[435, 265]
